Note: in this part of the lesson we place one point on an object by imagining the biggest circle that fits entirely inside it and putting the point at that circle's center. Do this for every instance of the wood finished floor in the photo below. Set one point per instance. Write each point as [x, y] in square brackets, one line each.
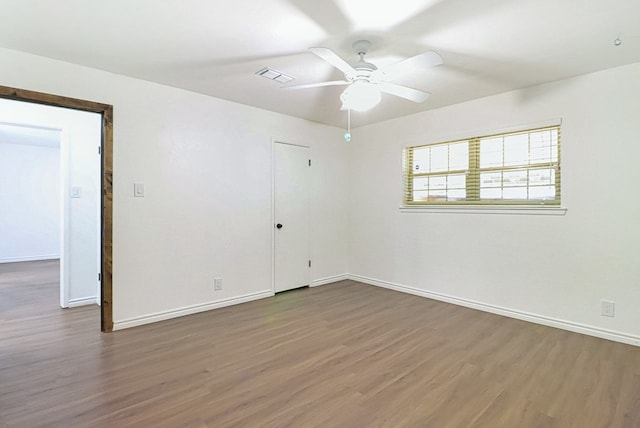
[341, 355]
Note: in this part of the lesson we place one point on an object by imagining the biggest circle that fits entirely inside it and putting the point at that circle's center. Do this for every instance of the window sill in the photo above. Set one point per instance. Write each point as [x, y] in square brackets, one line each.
[482, 209]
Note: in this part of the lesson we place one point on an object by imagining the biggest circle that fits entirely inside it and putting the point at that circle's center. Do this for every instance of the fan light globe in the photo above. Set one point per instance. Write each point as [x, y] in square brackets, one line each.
[360, 96]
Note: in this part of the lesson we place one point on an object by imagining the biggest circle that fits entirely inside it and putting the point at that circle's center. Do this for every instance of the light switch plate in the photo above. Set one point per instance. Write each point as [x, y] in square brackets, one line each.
[76, 191]
[138, 190]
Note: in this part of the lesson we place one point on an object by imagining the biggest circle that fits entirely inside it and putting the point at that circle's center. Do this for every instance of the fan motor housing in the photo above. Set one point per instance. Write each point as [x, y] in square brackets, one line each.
[362, 69]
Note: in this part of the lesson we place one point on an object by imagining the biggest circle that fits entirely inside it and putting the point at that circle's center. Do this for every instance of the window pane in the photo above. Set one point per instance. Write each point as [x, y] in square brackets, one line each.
[456, 195]
[542, 176]
[542, 192]
[421, 160]
[514, 178]
[437, 195]
[516, 150]
[438, 182]
[541, 155]
[459, 156]
[491, 193]
[541, 147]
[456, 181]
[421, 195]
[491, 152]
[515, 193]
[491, 179]
[439, 158]
[421, 183]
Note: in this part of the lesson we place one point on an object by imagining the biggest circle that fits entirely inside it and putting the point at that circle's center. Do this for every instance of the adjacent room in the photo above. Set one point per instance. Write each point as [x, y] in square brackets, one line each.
[319, 214]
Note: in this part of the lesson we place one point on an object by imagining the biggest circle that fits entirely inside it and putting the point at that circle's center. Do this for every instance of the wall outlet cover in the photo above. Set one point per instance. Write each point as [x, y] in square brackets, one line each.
[608, 308]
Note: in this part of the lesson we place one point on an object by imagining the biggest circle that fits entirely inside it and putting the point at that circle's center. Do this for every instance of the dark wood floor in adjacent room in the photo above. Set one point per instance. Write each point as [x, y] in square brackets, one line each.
[341, 355]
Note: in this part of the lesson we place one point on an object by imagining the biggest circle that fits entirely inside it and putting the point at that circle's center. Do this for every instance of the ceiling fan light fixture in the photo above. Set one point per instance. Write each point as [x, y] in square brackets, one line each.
[367, 82]
[360, 96]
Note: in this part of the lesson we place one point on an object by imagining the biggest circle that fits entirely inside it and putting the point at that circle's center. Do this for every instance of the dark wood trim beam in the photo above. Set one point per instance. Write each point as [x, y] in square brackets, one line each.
[106, 110]
[52, 100]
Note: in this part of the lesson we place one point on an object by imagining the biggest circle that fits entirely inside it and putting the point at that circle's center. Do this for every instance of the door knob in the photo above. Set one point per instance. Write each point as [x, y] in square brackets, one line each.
[279, 226]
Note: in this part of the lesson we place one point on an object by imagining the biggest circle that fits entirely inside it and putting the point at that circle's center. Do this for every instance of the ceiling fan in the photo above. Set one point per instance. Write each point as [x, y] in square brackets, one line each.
[367, 82]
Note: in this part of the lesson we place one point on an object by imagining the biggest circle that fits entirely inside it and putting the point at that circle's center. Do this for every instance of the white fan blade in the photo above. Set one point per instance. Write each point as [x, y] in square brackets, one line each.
[319, 84]
[333, 59]
[403, 92]
[414, 63]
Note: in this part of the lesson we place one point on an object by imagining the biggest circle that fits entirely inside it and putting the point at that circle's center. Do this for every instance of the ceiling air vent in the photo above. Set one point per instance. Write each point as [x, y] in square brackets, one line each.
[276, 75]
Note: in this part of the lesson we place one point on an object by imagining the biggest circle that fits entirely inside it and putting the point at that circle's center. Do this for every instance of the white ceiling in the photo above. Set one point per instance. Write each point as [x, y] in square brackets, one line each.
[215, 47]
[29, 135]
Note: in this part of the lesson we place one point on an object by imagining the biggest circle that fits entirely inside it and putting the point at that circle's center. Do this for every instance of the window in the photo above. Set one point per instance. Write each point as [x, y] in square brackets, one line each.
[516, 168]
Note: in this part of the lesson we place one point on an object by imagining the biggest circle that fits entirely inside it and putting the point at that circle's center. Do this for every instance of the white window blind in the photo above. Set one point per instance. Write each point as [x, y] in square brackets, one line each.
[515, 168]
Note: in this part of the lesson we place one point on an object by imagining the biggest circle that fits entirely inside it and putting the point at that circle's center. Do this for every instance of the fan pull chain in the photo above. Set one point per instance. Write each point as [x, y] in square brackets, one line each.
[347, 135]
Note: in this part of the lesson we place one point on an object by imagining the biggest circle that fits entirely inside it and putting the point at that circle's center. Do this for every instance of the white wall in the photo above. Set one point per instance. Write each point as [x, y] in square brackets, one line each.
[29, 200]
[80, 137]
[551, 269]
[206, 167]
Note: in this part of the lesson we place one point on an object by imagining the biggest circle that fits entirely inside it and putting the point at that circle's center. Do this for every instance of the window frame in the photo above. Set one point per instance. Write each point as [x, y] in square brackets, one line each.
[473, 184]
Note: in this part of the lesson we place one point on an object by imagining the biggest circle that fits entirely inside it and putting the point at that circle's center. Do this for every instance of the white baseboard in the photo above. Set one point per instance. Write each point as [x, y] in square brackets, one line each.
[525, 316]
[189, 310]
[29, 258]
[329, 280]
[73, 303]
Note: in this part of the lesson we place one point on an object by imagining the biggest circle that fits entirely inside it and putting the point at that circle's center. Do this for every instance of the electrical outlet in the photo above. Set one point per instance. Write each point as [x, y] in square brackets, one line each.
[608, 308]
[217, 284]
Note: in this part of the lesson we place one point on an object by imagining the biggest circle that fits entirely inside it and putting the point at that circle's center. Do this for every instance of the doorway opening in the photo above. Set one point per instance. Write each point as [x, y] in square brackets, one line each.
[106, 179]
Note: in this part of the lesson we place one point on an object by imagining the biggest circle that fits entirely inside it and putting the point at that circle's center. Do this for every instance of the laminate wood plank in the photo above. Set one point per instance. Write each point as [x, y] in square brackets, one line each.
[341, 355]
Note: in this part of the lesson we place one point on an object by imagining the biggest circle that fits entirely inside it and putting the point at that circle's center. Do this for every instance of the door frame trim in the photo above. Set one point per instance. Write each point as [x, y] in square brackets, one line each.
[106, 220]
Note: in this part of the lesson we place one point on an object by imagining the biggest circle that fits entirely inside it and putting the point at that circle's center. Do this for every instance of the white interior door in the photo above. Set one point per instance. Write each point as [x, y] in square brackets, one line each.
[291, 216]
